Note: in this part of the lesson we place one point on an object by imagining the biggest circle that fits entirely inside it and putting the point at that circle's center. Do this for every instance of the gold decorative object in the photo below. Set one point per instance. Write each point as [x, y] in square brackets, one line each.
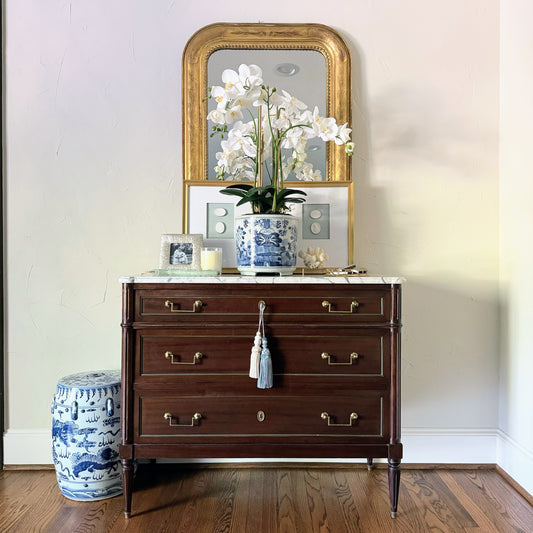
[353, 305]
[353, 416]
[261, 416]
[348, 271]
[196, 358]
[195, 307]
[169, 417]
[353, 356]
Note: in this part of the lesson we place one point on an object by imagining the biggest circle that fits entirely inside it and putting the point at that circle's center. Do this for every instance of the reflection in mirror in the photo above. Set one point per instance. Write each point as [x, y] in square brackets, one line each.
[302, 73]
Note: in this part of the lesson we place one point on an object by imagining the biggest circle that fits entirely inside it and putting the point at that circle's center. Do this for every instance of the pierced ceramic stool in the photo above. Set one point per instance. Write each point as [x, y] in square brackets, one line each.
[86, 435]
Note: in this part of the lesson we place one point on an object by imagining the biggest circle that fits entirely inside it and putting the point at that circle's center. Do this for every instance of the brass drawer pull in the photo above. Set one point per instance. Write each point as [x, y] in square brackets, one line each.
[195, 359]
[169, 417]
[353, 416]
[353, 305]
[353, 356]
[195, 307]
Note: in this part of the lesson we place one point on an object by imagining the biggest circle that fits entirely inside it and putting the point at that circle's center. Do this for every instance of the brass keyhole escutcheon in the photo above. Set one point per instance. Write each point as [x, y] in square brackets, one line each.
[261, 416]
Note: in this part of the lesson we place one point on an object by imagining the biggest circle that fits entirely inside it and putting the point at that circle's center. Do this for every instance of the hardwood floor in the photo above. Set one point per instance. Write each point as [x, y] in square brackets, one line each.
[299, 499]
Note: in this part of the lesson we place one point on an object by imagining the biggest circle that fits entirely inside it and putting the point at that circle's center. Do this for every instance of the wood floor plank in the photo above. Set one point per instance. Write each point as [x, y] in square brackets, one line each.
[250, 494]
[498, 500]
[300, 500]
[226, 490]
[315, 502]
[345, 502]
[173, 499]
[288, 516]
[269, 493]
[371, 497]
[241, 505]
[483, 524]
[409, 518]
[442, 510]
[198, 503]
[43, 500]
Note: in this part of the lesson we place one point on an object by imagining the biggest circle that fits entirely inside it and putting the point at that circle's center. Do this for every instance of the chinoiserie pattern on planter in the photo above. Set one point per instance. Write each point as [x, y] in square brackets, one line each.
[86, 435]
[266, 244]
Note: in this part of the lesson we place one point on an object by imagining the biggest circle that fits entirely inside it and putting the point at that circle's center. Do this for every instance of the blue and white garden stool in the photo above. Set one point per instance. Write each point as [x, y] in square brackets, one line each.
[86, 435]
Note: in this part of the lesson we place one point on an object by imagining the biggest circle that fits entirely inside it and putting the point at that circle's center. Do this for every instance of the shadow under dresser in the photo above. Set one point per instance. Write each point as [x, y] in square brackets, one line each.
[186, 390]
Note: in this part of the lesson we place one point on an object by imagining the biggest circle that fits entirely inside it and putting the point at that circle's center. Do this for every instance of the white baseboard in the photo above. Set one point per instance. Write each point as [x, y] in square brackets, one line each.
[28, 447]
[421, 445]
[515, 460]
[449, 445]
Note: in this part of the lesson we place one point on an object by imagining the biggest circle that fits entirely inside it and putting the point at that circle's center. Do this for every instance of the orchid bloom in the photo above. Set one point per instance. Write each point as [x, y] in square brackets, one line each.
[286, 124]
[292, 105]
[239, 138]
[343, 134]
[216, 116]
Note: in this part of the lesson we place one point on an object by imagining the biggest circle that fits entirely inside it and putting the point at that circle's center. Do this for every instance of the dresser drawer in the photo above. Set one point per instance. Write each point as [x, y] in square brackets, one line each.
[329, 305]
[331, 351]
[202, 416]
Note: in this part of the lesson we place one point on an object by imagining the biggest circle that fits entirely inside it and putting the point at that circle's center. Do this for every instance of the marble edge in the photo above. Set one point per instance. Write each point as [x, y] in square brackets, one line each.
[266, 280]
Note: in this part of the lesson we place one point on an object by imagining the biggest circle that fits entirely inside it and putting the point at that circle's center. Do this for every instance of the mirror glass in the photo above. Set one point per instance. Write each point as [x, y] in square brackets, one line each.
[302, 73]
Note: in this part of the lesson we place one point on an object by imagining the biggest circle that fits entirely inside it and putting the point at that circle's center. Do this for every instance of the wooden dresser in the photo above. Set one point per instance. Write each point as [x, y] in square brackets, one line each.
[335, 345]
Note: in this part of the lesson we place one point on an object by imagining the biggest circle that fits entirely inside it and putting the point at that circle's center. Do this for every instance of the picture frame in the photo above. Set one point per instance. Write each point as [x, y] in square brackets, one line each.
[180, 251]
[205, 210]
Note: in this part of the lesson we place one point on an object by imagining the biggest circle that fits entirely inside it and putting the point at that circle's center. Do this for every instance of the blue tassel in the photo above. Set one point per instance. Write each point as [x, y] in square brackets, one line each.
[265, 368]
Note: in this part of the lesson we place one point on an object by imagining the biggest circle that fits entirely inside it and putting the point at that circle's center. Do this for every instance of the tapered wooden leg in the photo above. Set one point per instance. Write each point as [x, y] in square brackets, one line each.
[394, 485]
[127, 484]
[370, 463]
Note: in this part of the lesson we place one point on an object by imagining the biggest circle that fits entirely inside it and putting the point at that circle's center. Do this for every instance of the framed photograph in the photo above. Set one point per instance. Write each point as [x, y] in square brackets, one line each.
[180, 252]
[326, 219]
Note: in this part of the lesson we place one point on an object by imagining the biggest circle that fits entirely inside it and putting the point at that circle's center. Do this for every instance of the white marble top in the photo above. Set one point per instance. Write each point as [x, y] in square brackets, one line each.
[276, 280]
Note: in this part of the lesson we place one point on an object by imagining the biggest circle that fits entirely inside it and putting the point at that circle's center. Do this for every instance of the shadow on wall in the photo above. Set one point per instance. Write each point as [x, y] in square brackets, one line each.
[371, 212]
[450, 332]
[449, 357]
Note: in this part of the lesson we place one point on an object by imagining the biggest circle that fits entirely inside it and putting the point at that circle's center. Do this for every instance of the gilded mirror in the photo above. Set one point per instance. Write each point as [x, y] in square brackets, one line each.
[317, 38]
[281, 48]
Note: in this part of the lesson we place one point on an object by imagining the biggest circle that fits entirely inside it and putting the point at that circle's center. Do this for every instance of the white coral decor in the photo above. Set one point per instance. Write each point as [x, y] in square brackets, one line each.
[313, 257]
[284, 122]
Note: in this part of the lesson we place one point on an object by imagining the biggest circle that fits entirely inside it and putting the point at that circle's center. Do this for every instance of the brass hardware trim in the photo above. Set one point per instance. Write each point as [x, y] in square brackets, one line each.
[169, 417]
[353, 416]
[195, 306]
[353, 305]
[261, 416]
[196, 358]
[261, 303]
[353, 356]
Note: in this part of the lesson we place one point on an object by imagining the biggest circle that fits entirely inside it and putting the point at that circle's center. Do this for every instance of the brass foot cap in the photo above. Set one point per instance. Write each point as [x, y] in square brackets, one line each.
[127, 514]
[393, 514]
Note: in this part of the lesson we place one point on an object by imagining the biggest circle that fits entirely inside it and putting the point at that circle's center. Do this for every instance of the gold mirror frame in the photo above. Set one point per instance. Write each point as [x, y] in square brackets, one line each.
[260, 36]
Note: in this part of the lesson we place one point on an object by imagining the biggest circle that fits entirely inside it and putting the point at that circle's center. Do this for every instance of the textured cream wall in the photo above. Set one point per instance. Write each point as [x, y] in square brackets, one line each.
[516, 224]
[93, 178]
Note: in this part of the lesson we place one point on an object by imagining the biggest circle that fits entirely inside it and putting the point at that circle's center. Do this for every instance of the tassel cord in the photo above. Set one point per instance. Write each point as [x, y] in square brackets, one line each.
[265, 380]
[255, 356]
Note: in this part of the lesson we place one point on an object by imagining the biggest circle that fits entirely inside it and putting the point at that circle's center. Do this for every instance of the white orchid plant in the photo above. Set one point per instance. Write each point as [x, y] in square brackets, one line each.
[278, 121]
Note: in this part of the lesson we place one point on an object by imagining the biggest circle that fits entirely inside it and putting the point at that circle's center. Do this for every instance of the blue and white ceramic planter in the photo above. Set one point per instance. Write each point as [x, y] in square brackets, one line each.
[86, 435]
[266, 244]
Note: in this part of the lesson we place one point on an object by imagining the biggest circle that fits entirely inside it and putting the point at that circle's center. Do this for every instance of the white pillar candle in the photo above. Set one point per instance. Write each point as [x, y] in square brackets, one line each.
[211, 259]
